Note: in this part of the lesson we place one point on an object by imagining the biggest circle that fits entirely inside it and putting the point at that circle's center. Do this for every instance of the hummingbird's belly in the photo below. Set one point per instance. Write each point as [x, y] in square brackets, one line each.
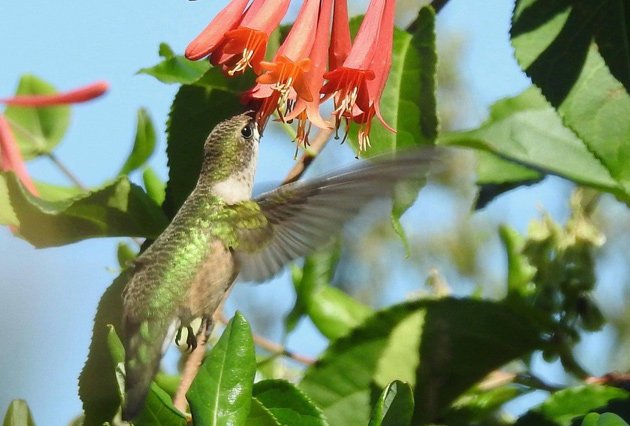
[211, 282]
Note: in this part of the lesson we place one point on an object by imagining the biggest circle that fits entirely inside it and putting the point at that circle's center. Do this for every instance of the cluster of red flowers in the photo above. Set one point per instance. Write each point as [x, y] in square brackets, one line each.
[314, 63]
[10, 156]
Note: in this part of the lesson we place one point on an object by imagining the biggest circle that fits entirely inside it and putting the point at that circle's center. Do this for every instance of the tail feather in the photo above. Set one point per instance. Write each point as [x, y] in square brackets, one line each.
[144, 346]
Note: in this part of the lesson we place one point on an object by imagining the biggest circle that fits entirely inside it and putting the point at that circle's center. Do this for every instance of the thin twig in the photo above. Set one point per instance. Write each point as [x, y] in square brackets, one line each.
[317, 144]
[191, 368]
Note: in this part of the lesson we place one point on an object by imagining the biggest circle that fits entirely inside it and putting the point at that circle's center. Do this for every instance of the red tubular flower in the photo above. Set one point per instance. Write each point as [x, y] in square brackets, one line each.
[308, 110]
[381, 65]
[11, 158]
[358, 84]
[82, 94]
[238, 40]
[212, 35]
[295, 75]
[340, 43]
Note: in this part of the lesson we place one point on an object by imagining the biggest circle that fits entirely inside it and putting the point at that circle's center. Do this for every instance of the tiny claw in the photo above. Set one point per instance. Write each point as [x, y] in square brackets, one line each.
[178, 336]
[191, 339]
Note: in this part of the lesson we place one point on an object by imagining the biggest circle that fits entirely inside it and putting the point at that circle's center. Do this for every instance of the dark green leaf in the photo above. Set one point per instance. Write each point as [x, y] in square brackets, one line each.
[564, 406]
[432, 344]
[259, 415]
[526, 129]
[408, 102]
[37, 130]
[143, 145]
[394, 407]
[222, 391]
[18, 414]
[175, 69]
[194, 113]
[98, 385]
[605, 419]
[289, 405]
[560, 45]
[156, 189]
[118, 209]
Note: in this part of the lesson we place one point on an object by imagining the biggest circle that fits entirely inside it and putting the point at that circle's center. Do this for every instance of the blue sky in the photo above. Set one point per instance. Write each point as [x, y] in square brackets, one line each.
[49, 296]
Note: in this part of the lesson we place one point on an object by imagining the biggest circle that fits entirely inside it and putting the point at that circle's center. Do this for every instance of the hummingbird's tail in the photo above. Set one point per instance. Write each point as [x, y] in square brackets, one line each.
[145, 342]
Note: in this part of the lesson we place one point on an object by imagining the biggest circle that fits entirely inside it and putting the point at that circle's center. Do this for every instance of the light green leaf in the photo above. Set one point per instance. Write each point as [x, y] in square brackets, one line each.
[605, 419]
[18, 414]
[479, 404]
[520, 271]
[394, 406]
[334, 313]
[175, 69]
[221, 393]
[125, 254]
[143, 145]
[527, 129]
[564, 406]
[117, 209]
[37, 130]
[156, 189]
[289, 405]
[560, 46]
[438, 357]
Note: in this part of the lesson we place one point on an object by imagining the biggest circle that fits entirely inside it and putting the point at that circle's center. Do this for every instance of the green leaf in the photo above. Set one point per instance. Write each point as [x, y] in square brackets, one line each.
[18, 414]
[528, 130]
[158, 408]
[117, 209]
[156, 189]
[479, 404]
[175, 69]
[98, 384]
[408, 103]
[394, 406]
[332, 311]
[222, 391]
[125, 254]
[605, 419]
[289, 405]
[566, 48]
[432, 344]
[520, 271]
[194, 113]
[143, 145]
[37, 130]
[564, 406]
[259, 415]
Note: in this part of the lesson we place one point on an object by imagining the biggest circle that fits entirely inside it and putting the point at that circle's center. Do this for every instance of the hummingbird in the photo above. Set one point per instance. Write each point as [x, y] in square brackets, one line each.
[220, 233]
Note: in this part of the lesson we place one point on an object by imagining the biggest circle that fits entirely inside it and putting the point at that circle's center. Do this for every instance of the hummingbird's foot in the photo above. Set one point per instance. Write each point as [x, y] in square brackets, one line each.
[191, 340]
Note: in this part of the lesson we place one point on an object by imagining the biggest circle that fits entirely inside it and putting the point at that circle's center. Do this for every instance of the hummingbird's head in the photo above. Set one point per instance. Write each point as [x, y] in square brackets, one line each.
[230, 154]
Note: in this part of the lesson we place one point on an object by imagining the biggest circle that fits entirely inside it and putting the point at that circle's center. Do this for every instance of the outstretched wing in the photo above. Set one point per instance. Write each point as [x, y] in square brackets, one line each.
[302, 216]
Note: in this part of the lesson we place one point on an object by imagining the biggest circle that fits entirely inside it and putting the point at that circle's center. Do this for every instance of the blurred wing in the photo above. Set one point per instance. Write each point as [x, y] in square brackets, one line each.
[302, 216]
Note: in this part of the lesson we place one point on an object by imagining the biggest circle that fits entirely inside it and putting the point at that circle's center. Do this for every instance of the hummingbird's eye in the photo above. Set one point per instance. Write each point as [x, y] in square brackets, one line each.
[247, 132]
